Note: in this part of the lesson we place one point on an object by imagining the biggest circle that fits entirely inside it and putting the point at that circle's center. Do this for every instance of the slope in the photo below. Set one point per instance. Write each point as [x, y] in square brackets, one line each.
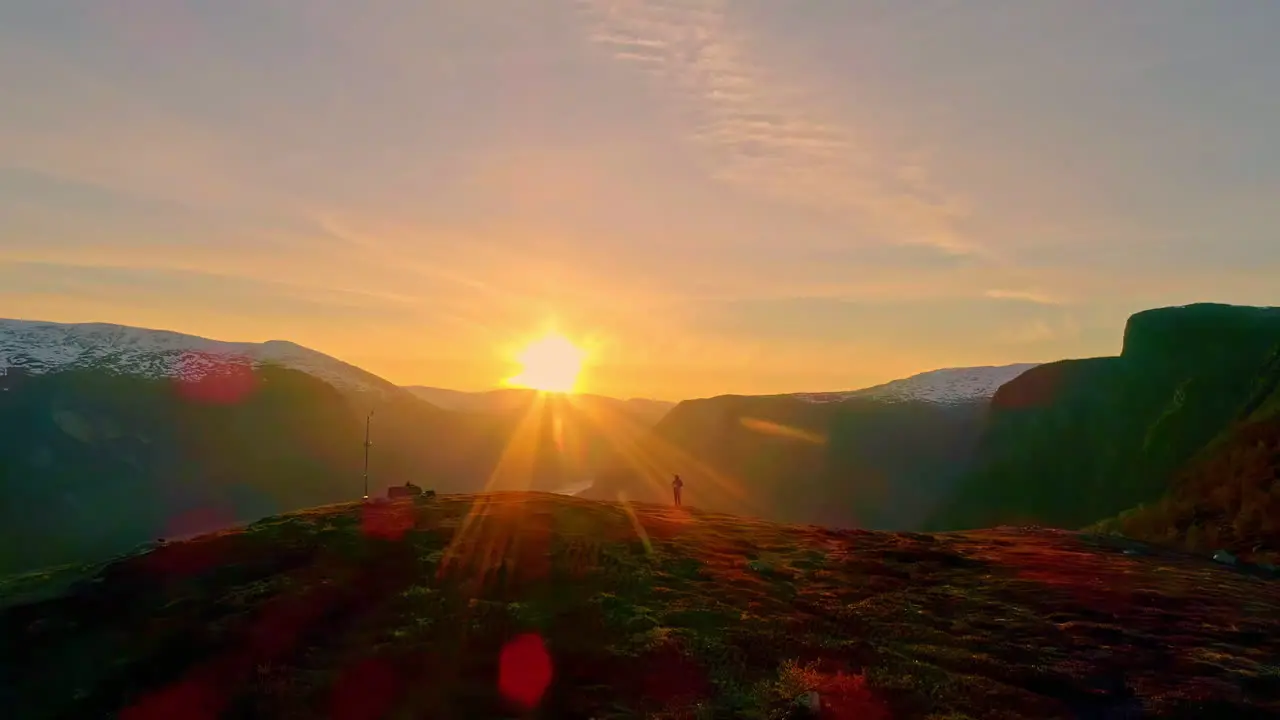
[93, 463]
[1228, 497]
[878, 458]
[176, 434]
[947, 385]
[1072, 442]
[39, 347]
[536, 605]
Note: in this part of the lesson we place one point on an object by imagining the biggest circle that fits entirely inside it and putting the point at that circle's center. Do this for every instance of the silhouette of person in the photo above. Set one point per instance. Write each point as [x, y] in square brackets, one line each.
[675, 488]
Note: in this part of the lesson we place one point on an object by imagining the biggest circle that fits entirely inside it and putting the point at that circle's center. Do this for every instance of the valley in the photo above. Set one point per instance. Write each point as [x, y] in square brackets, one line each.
[181, 434]
[639, 360]
[890, 553]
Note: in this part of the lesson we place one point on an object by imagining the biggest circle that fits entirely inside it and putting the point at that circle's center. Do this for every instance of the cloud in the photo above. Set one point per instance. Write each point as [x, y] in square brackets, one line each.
[762, 134]
[206, 289]
[130, 144]
[1029, 296]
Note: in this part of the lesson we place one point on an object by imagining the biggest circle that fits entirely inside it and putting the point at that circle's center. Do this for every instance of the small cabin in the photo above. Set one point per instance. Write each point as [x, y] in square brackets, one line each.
[404, 491]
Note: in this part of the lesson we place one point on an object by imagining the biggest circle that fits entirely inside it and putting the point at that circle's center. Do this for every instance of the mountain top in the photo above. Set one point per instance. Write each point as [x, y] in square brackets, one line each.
[40, 347]
[488, 606]
[1199, 329]
[948, 385]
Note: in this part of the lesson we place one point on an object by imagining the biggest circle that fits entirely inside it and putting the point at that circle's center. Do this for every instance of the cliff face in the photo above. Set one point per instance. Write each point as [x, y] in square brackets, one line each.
[1228, 495]
[1203, 332]
[1072, 442]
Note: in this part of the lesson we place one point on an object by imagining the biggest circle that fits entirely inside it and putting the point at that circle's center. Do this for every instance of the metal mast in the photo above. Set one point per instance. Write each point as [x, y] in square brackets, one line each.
[367, 420]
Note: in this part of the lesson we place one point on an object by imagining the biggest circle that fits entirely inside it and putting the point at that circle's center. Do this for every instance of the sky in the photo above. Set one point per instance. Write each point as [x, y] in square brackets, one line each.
[713, 196]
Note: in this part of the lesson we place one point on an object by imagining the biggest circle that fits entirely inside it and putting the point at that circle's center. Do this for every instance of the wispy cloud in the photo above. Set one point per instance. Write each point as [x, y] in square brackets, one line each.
[761, 134]
[1030, 296]
[132, 144]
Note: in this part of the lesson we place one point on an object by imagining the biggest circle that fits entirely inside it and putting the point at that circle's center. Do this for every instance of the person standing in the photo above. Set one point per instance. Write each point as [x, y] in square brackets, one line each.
[675, 488]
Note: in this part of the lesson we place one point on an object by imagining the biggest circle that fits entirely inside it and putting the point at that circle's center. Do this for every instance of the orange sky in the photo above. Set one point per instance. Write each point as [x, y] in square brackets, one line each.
[716, 196]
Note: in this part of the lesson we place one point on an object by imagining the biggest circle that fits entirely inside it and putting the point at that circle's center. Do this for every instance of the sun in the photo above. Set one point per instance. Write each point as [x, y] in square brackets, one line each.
[551, 364]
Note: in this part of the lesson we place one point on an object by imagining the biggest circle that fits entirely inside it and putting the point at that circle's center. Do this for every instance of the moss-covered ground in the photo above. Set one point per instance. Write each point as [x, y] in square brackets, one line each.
[533, 605]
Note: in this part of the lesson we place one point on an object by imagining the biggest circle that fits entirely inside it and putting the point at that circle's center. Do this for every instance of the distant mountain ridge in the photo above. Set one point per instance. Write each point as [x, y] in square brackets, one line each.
[511, 399]
[166, 432]
[875, 458]
[105, 415]
[42, 347]
[169, 433]
[948, 385]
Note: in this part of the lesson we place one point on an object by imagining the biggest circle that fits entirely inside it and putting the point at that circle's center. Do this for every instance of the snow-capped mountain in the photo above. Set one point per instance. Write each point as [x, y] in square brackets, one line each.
[41, 347]
[945, 386]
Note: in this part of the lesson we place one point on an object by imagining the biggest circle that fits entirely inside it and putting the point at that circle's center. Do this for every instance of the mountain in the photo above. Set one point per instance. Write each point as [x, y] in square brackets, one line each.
[535, 605]
[42, 347]
[92, 463]
[1228, 495]
[949, 385]
[1073, 442]
[874, 458]
[111, 436]
[519, 399]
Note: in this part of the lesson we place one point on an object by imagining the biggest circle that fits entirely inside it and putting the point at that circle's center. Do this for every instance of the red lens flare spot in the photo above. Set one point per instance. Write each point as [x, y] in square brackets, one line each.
[524, 670]
[365, 691]
[847, 697]
[185, 699]
[215, 379]
[386, 521]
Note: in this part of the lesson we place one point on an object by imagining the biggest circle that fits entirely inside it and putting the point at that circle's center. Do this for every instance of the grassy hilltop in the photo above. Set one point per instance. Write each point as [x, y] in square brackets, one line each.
[535, 605]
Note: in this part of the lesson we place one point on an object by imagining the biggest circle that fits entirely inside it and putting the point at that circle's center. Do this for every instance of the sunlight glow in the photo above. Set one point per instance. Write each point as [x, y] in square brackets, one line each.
[551, 364]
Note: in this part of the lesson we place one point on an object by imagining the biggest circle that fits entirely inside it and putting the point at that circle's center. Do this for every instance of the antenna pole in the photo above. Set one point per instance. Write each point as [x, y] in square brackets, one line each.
[367, 420]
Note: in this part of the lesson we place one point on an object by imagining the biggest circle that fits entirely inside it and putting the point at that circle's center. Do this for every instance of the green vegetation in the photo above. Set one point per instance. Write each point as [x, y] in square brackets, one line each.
[1072, 442]
[1229, 495]
[408, 609]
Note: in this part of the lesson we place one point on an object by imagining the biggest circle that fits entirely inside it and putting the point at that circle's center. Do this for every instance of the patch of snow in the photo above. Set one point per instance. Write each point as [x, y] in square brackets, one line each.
[946, 386]
[41, 347]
